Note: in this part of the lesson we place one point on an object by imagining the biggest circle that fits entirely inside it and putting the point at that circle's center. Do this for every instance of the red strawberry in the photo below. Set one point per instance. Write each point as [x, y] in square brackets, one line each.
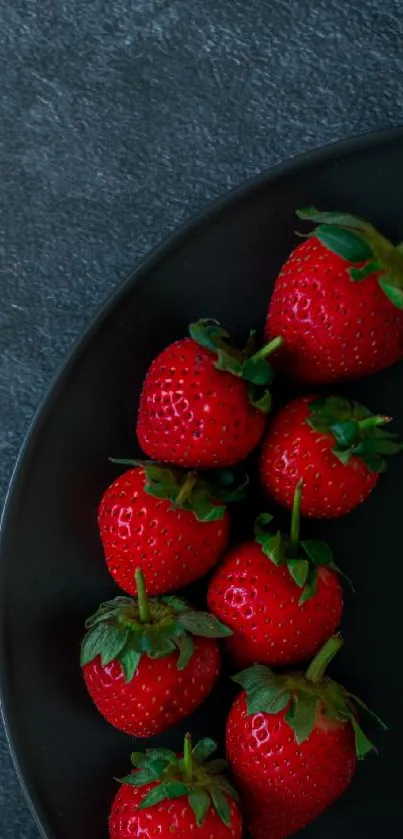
[280, 596]
[172, 525]
[338, 301]
[172, 795]
[292, 743]
[203, 402]
[149, 664]
[334, 445]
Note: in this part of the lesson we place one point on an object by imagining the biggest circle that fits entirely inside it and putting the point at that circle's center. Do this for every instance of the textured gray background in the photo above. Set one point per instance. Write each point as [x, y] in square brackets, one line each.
[119, 119]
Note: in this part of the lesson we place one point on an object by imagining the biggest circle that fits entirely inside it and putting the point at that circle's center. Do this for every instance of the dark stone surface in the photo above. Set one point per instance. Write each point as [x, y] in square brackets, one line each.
[122, 118]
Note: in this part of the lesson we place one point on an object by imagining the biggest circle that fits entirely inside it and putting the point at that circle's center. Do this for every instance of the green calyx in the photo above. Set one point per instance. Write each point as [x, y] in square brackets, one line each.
[355, 430]
[359, 243]
[302, 557]
[193, 776]
[308, 698]
[125, 629]
[250, 363]
[205, 496]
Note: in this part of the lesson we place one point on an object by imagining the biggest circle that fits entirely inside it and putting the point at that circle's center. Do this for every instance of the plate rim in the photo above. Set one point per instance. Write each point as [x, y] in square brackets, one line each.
[175, 239]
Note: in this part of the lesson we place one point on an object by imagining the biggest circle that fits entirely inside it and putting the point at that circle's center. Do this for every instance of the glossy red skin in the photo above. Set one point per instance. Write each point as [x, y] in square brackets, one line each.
[171, 547]
[259, 602]
[194, 415]
[292, 450]
[166, 820]
[159, 695]
[333, 328]
[284, 786]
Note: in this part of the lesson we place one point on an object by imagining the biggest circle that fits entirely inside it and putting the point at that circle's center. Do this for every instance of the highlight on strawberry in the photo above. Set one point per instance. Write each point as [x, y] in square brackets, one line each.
[172, 524]
[336, 446]
[204, 401]
[149, 663]
[338, 301]
[279, 594]
[183, 794]
[293, 741]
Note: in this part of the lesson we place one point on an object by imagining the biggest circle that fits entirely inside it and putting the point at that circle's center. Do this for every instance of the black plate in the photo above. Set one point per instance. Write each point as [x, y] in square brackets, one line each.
[52, 572]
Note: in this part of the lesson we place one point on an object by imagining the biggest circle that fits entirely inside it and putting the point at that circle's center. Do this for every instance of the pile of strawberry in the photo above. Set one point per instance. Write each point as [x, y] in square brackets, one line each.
[149, 659]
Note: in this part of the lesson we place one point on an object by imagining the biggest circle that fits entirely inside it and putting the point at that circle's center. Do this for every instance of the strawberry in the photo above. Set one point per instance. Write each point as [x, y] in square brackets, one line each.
[170, 795]
[172, 525]
[280, 596]
[292, 743]
[338, 301]
[204, 402]
[150, 663]
[336, 446]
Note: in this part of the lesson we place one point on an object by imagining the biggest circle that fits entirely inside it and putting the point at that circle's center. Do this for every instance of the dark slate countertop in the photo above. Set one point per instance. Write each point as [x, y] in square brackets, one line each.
[120, 119]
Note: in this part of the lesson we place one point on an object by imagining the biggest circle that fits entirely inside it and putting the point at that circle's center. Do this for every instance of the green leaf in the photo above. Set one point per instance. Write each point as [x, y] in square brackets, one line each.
[125, 461]
[258, 371]
[270, 700]
[343, 456]
[261, 532]
[204, 509]
[158, 766]
[345, 432]
[318, 551]
[343, 219]
[393, 291]
[311, 587]
[347, 244]
[227, 363]
[370, 715]
[176, 603]
[275, 549]
[108, 611]
[299, 570]
[358, 274]
[377, 445]
[129, 660]
[319, 424]
[186, 648]
[199, 801]
[221, 805]
[228, 788]
[165, 791]
[255, 677]
[147, 640]
[216, 767]
[203, 624]
[92, 643]
[161, 754]
[105, 640]
[139, 760]
[331, 409]
[262, 402]
[207, 333]
[204, 749]
[138, 779]
[362, 744]
[163, 491]
[159, 474]
[301, 715]
[228, 485]
[271, 543]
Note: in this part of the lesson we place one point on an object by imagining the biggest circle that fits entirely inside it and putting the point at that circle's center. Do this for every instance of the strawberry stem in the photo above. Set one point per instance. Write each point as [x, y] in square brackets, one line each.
[142, 599]
[320, 663]
[187, 759]
[268, 349]
[373, 422]
[186, 489]
[295, 515]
